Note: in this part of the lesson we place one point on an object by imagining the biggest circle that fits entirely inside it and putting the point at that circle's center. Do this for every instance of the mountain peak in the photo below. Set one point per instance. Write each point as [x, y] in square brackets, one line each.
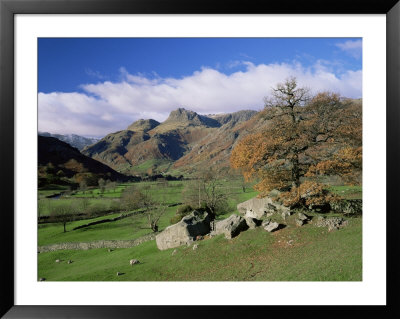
[143, 125]
[190, 118]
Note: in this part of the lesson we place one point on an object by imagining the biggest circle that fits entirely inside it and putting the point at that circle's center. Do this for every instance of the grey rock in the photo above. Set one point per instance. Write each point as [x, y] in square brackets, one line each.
[272, 226]
[265, 222]
[259, 208]
[302, 219]
[57, 260]
[251, 223]
[230, 226]
[185, 231]
[299, 222]
[302, 216]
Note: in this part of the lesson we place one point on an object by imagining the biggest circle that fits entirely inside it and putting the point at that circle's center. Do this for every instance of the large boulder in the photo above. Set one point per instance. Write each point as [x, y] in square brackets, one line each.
[259, 208]
[184, 232]
[271, 226]
[230, 226]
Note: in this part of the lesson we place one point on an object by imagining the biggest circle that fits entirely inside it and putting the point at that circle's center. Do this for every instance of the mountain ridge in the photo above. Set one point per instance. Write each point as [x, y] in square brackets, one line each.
[57, 160]
[168, 141]
[74, 140]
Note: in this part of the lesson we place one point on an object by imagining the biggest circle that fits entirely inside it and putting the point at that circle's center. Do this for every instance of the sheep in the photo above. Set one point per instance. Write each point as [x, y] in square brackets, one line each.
[133, 262]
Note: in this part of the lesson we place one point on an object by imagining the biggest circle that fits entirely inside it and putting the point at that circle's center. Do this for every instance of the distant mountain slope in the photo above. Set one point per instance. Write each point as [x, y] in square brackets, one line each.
[72, 139]
[215, 149]
[169, 141]
[143, 125]
[58, 160]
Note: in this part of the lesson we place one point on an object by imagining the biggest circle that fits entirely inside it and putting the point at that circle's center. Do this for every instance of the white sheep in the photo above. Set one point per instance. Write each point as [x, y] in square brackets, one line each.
[133, 262]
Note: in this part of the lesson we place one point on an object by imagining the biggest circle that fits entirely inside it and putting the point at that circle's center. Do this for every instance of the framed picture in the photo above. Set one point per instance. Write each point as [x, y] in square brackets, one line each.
[154, 96]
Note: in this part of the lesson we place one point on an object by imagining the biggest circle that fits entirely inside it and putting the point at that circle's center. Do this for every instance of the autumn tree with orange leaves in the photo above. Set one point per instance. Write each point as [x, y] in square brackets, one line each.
[304, 139]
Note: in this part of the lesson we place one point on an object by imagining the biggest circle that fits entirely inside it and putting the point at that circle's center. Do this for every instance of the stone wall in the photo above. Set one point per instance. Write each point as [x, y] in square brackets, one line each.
[348, 206]
[98, 244]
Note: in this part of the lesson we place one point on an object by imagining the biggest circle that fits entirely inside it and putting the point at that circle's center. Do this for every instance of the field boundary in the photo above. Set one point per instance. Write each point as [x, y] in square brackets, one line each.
[113, 244]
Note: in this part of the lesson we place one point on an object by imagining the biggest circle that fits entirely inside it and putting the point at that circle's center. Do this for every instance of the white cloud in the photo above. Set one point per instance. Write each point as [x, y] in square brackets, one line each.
[352, 47]
[111, 106]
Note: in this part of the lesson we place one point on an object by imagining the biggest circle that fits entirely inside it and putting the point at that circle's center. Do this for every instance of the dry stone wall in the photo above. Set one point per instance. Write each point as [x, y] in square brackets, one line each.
[97, 244]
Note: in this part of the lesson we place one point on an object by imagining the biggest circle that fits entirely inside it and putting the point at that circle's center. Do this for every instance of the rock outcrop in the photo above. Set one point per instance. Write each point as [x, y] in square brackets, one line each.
[184, 232]
[230, 226]
[259, 208]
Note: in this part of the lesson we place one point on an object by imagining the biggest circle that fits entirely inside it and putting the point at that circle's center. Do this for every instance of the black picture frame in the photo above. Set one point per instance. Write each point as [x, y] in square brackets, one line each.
[8, 8]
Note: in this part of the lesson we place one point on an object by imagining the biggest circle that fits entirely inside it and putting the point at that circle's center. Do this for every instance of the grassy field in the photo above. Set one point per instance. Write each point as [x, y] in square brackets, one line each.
[256, 255]
[292, 254]
[348, 192]
[127, 228]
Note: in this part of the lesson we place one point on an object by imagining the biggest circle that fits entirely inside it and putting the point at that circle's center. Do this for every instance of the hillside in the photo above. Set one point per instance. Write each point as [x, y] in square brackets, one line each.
[187, 142]
[72, 139]
[58, 162]
[163, 144]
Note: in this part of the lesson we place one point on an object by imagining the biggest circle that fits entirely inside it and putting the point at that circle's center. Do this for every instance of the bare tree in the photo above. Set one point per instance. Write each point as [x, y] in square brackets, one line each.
[101, 182]
[135, 198]
[63, 214]
[154, 215]
[110, 185]
[83, 186]
[207, 191]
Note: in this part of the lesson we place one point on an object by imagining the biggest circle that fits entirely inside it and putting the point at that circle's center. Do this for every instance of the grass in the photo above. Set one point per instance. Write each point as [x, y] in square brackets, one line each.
[255, 255]
[127, 228]
[348, 192]
[159, 164]
[48, 204]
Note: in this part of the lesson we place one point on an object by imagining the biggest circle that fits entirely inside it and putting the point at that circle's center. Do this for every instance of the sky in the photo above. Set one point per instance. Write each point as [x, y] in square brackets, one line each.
[96, 86]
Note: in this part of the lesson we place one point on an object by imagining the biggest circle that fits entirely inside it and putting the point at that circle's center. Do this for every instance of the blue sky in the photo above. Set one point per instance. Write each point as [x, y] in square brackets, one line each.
[95, 86]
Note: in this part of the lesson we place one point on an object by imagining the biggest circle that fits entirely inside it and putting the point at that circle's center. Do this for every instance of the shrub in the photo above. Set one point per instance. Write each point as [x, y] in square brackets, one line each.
[181, 212]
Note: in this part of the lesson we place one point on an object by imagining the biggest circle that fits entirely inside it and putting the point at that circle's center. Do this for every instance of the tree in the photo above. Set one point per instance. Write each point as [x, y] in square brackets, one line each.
[83, 186]
[102, 183]
[302, 140]
[63, 214]
[111, 185]
[207, 191]
[84, 205]
[154, 215]
[135, 198]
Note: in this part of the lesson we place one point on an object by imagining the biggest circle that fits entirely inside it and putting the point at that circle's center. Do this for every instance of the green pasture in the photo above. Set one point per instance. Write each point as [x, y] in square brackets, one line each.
[348, 192]
[128, 228]
[314, 254]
